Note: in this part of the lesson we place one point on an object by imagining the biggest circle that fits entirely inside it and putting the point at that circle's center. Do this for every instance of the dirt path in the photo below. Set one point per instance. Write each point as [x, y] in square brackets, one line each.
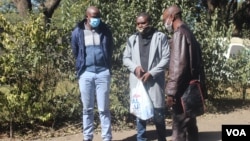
[209, 128]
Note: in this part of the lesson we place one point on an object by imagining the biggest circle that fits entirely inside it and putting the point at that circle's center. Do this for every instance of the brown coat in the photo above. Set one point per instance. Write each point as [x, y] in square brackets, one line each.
[185, 63]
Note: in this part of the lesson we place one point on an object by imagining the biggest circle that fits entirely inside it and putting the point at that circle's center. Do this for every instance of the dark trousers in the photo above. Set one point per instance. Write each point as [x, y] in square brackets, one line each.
[159, 121]
[184, 128]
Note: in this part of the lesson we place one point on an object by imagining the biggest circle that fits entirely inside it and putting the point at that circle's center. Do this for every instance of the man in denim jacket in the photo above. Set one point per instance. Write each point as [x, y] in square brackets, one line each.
[92, 46]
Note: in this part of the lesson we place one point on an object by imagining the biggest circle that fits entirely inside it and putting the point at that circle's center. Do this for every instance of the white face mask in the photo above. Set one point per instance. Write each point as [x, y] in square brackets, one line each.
[140, 29]
[145, 29]
[169, 27]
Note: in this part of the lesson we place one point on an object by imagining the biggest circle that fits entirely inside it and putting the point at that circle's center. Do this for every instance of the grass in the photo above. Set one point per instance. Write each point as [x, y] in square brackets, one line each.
[229, 102]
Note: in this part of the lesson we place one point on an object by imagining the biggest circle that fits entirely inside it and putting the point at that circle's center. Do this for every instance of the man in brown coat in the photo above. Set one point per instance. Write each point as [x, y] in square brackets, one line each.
[185, 65]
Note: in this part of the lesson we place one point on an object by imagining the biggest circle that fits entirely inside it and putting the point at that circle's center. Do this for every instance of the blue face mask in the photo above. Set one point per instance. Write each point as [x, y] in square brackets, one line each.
[94, 22]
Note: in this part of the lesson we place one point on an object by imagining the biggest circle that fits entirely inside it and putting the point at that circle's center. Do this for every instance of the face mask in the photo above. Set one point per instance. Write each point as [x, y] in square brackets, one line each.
[144, 30]
[169, 26]
[94, 22]
[140, 29]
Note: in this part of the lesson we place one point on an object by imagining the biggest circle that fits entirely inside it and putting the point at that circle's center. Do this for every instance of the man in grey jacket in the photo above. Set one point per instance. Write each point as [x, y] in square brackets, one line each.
[147, 56]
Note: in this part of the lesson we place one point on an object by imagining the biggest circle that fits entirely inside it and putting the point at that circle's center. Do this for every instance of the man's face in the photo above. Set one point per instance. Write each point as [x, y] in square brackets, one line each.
[93, 17]
[93, 14]
[142, 22]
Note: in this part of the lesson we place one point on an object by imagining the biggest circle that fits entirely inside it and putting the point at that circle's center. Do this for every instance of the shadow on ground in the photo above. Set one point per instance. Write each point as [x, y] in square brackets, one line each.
[151, 135]
[224, 105]
[210, 136]
[203, 136]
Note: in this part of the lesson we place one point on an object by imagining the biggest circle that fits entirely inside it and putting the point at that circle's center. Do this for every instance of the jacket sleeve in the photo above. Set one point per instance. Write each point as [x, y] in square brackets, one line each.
[127, 55]
[111, 47]
[165, 56]
[178, 67]
[74, 43]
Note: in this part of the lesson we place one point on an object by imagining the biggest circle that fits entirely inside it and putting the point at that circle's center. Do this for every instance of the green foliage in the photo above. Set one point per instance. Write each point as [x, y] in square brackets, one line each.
[239, 78]
[121, 15]
[6, 6]
[246, 32]
[214, 40]
[34, 61]
[120, 98]
[37, 80]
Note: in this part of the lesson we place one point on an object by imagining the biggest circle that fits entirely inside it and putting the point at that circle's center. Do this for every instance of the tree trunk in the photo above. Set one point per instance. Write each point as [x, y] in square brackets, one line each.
[244, 92]
[11, 128]
[23, 6]
[240, 15]
[48, 9]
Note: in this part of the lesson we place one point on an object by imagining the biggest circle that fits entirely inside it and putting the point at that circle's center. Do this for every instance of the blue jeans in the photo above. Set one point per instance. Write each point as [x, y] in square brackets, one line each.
[159, 121]
[95, 86]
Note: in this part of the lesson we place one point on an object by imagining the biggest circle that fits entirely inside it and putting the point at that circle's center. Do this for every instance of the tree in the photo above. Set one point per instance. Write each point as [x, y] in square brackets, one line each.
[48, 7]
[231, 11]
[36, 59]
[234, 11]
[23, 6]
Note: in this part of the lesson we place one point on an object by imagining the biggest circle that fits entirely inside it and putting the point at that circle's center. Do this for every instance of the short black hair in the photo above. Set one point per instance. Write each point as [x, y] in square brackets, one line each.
[145, 14]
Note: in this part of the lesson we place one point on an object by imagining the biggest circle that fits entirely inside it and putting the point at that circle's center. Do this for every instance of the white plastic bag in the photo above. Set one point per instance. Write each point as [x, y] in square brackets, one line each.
[140, 104]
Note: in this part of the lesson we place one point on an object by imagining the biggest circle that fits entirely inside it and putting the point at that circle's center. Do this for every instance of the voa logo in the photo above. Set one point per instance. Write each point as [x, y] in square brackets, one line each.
[236, 132]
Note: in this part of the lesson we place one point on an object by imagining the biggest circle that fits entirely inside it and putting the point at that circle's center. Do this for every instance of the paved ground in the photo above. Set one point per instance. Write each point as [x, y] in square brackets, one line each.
[209, 128]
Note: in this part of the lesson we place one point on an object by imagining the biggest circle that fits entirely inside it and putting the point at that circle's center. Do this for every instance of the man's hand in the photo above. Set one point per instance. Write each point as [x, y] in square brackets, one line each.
[139, 72]
[146, 77]
[170, 101]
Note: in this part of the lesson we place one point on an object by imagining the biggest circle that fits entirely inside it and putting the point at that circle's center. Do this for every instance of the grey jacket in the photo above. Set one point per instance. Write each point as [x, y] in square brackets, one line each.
[159, 55]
